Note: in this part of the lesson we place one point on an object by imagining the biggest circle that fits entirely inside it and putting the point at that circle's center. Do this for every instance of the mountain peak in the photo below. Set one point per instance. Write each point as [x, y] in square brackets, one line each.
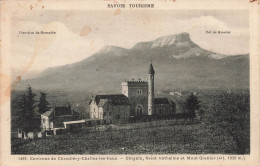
[183, 37]
[180, 36]
[112, 51]
[111, 48]
[107, 48]
[165, 41]
[172, 39]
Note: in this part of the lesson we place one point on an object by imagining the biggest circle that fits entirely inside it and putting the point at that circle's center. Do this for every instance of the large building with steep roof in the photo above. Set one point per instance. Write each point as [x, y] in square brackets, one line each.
[137, 100]
[110, 108]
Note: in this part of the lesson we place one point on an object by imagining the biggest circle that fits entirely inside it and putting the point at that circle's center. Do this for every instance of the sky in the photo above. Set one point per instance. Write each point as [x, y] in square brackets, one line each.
[79, 34]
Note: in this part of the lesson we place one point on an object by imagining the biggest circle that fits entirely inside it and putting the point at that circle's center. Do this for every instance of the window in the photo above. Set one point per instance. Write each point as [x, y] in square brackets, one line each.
[109, 113]
[105, 114]
[139, 110]
[139, 92]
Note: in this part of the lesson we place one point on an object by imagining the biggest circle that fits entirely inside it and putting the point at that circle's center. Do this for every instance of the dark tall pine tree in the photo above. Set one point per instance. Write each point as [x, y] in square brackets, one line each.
[22, 114]
[31, 112]
[43, 105]
[26, 118]
[192, 104]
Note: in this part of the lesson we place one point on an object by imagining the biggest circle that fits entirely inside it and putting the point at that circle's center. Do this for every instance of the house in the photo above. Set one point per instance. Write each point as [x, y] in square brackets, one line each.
[54, 119]
[137, 100]
[164, 106]
[110, 108]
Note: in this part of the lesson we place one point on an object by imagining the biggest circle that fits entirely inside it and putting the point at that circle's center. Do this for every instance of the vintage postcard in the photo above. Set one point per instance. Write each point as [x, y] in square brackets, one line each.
[130, 82]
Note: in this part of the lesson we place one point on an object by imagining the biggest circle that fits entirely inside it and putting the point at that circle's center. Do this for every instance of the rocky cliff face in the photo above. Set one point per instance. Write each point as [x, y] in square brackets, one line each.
[167, 41]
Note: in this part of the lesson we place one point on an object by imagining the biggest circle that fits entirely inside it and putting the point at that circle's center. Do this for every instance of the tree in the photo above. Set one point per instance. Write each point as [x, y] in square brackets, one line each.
[229, 114]
[30, 106]
[30, 99]
[26, 118]
[192, 104]
[43, 104]
[22, 113]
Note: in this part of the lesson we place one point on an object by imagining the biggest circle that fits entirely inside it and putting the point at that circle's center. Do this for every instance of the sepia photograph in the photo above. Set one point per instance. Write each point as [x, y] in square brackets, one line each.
[96, 87]
[119, 82]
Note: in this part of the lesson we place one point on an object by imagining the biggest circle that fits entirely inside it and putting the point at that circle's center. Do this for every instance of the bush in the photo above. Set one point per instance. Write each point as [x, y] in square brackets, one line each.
[229, 114]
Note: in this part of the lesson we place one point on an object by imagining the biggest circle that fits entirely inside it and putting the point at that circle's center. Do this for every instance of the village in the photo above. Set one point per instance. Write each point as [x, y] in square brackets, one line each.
[139, 120]
[137, 103]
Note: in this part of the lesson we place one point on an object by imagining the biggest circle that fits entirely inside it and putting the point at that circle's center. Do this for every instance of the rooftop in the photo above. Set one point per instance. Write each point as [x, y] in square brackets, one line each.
[59, 111]
[151, 70]
[48, 113]
[114, 99]
[161, 101]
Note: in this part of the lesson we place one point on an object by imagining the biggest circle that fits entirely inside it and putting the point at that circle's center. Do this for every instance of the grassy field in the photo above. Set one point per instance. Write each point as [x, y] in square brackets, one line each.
[163, 138]
[224, 129]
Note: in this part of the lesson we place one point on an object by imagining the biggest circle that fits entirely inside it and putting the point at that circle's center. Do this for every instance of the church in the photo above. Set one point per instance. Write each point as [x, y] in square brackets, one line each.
[137, 100]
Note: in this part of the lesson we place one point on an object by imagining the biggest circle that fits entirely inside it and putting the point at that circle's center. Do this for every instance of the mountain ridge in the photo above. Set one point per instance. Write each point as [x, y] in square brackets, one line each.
[191, 65]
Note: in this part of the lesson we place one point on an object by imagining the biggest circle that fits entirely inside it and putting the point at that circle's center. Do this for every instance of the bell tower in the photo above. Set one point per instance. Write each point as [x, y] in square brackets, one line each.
[151, 73]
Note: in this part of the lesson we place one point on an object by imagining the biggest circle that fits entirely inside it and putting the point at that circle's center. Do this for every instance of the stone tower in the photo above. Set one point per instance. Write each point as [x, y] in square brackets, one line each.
[151, 73]
[137, 92]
